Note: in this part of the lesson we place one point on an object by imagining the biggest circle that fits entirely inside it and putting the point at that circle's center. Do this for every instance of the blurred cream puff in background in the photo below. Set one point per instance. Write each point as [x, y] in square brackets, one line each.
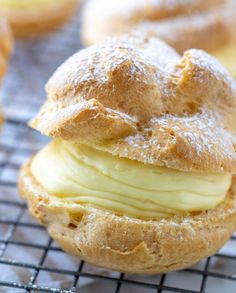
[27, 17]
[183, 24]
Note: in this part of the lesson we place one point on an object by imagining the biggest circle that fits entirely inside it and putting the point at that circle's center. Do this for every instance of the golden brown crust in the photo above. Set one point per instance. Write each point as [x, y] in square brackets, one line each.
[32, 21]
[208, 25]
[127, 244]
[135, 97]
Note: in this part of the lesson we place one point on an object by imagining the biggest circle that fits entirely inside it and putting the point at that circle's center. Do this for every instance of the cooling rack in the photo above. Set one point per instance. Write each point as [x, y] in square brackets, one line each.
[30, 261]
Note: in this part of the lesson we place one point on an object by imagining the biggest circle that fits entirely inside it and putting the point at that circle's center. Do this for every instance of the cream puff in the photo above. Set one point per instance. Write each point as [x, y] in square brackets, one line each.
[208, 25]
[6, 46]
[139, 175]
[28, 17]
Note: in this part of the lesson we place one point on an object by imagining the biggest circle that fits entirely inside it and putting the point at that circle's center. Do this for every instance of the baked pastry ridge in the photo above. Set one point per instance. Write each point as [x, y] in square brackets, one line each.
[208, 25]
[135, 97]
[125, 105]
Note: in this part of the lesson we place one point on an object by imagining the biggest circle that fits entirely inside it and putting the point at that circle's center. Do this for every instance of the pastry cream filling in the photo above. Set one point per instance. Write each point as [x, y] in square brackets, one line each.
[227, 56]
[80, 174]
[21, 4]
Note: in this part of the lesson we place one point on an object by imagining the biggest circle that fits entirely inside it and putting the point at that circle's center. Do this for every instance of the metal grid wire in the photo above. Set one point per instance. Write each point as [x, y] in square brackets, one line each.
[30, 261]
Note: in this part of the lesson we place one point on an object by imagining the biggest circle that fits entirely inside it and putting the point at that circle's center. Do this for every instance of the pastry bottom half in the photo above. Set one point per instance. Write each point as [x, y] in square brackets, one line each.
[127, 244]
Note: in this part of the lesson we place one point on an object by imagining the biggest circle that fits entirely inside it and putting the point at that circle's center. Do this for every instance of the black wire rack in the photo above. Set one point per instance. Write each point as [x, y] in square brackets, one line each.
[30, 261]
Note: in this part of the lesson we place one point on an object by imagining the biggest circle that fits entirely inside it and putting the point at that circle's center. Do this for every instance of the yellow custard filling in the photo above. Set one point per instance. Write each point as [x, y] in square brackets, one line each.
[21, 4]
[227, 56]
[80, 174]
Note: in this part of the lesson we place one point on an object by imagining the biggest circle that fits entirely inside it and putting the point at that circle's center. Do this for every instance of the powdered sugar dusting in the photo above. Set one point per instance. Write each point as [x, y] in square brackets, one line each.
[179, 112]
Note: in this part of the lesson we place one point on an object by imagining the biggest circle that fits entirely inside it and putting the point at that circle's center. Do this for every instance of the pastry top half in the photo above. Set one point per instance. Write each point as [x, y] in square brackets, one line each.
[135, 97]
[183, 24]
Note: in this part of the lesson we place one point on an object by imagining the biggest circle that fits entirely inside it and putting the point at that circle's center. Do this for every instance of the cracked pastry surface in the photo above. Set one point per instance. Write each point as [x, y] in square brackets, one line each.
[28, 18]
[135, 97]
[143, 155]
[208, 25]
